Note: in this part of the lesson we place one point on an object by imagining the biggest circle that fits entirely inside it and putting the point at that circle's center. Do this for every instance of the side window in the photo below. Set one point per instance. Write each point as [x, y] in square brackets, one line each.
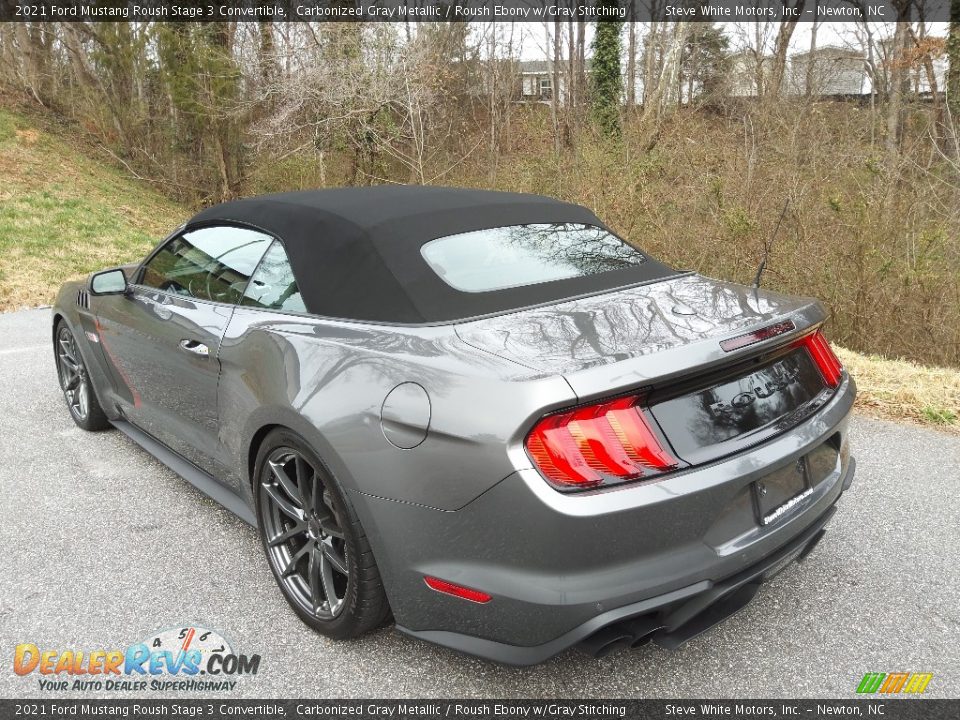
[213, 263]
[273, 285]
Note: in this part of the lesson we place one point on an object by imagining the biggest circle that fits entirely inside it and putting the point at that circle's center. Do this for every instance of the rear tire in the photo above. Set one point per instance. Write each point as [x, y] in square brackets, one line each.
[75, 382]
[315, 546]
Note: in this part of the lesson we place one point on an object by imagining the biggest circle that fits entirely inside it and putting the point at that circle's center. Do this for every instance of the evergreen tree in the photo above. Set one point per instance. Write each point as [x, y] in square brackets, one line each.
[703, 61]
[605, 79]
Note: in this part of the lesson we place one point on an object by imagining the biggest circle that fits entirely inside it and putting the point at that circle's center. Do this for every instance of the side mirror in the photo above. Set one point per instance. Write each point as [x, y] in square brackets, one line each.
[108, 282]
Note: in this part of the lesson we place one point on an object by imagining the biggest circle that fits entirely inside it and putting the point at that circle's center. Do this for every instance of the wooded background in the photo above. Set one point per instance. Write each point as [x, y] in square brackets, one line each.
[644, 128]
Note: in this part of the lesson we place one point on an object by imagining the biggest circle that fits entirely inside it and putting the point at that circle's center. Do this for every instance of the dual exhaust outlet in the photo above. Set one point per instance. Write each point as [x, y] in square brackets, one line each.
[670, 630]
[620, 636]
[672, 625]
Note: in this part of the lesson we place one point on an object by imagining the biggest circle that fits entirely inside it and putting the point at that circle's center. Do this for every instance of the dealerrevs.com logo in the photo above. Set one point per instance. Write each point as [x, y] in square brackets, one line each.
[188, 659]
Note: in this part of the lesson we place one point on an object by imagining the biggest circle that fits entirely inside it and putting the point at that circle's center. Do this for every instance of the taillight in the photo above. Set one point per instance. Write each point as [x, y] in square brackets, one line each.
[601, 444]
[827, 362]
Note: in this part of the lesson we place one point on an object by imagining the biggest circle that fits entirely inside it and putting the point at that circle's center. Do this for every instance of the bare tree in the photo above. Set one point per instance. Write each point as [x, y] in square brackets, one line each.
[386, 96]
[753, 40]
[631, 89]
[922, 54]
[808, 80]
[554, 63]
[501, 71]
[898, 79]
[781, 46]
[662, 86]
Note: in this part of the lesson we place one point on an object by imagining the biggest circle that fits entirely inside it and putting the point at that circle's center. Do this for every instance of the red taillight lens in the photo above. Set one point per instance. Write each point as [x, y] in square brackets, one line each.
[449, 588]
[822, 354]
[599, 444]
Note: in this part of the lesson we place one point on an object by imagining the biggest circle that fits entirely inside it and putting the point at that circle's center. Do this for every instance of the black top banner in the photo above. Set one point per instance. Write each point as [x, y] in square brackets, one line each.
[473, 10]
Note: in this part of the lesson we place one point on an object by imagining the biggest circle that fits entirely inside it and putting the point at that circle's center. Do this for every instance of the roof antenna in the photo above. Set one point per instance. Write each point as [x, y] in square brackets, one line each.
[767, 245]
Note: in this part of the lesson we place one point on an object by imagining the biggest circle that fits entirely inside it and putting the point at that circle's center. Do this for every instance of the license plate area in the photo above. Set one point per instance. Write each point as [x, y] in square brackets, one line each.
[776, 494]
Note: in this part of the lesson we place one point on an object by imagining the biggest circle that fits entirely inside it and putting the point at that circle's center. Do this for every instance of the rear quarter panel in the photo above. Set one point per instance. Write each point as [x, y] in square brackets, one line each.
[328, 380]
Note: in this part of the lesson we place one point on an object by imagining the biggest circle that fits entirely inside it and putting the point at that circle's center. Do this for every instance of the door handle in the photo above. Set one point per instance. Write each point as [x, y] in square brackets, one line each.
[195, 347]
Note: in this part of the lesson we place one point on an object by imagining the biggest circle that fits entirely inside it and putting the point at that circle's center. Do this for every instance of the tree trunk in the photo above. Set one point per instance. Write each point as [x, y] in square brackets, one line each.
[953, 54]
[77, 56]
[759, 60]
[39, 49]
[581, 79]
[632, 58]
[876, 79]
[811, 63]
[265, 59]
[653, 60]
[671, 64]
[27, 70]
[655, 102]
[555, 75]
[940, 132]
[570, 90]
[606, 79]
[649, 61]
[780, 48]
[898, 77]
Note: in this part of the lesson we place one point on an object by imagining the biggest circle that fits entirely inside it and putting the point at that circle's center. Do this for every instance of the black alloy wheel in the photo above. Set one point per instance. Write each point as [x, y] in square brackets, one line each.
[75, 383]
[304, 538]
[314, 543]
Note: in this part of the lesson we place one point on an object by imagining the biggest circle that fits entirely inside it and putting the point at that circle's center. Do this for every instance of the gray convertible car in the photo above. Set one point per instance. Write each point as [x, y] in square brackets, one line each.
[483, 413]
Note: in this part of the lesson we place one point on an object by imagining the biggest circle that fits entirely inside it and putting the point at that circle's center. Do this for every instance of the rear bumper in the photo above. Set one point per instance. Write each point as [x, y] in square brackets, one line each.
[681, 553]
[669, 620]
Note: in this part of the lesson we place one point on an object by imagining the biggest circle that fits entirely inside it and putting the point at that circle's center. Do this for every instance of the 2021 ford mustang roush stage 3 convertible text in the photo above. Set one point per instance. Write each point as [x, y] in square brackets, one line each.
[483, 412]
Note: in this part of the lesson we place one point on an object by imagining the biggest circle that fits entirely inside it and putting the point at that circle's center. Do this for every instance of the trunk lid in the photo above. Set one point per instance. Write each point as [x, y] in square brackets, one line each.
[664, 338]
[630, 337]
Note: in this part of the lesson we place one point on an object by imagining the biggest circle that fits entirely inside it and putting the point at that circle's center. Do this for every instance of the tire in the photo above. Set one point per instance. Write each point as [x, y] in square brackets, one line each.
[78, 390]
[307, 549]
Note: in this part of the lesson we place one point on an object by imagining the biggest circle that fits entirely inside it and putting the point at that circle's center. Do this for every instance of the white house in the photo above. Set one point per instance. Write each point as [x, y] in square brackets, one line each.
[536, 81]
[830, 71]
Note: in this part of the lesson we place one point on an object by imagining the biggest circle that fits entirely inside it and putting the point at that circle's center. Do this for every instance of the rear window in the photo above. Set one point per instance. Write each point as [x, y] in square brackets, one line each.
[517, 255]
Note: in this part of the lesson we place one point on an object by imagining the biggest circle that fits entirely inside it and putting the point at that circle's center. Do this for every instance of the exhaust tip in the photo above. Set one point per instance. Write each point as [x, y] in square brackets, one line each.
[605, 641]
[628, 634]
[612, 647]
[642, 629]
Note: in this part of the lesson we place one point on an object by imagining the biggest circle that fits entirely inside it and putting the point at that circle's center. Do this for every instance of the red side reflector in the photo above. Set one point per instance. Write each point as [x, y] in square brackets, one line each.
[735, 343]
[827, 362]
[599, 444]
[459, 591]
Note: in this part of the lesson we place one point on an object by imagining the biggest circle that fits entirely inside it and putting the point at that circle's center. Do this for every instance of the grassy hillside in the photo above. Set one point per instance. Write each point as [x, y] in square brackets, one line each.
[63, 213]
[905, 391]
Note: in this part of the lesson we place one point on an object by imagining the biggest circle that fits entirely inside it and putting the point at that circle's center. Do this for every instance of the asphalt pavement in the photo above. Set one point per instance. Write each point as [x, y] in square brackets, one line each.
[102, 546]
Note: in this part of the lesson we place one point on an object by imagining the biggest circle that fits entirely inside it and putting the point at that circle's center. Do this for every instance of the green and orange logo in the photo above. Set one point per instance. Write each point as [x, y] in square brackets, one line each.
[890, 683]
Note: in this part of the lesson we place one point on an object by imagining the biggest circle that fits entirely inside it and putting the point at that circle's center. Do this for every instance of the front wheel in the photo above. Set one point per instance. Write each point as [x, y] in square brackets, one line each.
[75, 382]
[314, 543]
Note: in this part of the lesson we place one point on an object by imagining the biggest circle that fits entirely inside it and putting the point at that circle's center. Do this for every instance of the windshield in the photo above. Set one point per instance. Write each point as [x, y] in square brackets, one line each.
[517, 255]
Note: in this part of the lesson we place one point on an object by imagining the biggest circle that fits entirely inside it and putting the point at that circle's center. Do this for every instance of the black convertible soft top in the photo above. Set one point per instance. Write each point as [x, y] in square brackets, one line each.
[355, 252]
